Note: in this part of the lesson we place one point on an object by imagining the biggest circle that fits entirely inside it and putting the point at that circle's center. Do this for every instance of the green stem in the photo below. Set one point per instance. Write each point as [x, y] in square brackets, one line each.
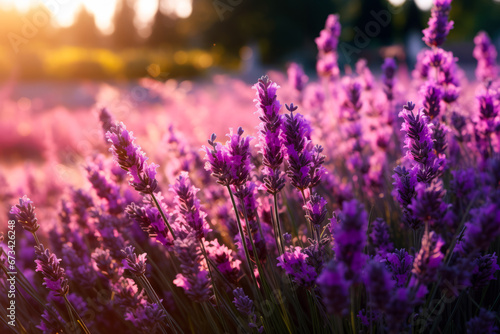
[203, 250]
[353, 316]
[242, 236]
[280, 235]
[36, 239]
[310, 222]
[79, 320]
[163, 215]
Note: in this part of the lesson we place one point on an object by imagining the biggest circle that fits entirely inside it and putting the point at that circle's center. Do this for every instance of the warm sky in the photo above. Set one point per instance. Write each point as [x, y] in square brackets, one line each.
[64, 11]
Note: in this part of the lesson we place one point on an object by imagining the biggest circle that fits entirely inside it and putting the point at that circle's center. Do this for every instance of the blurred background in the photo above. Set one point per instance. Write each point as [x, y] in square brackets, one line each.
[60, 40]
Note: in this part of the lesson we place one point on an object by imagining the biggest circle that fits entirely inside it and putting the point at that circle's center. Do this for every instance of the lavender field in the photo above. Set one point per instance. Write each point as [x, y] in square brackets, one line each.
[366, 200]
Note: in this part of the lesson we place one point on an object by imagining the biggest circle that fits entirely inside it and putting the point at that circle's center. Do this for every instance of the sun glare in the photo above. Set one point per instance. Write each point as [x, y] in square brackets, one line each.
[65, 12]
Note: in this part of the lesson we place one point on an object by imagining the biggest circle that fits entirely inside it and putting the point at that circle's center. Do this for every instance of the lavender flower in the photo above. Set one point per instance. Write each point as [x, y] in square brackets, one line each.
[131, 158]
[187, 206]
[439, 133]
[51, 321]
[217, 161]
[350, 237]
[334, 288]
[353, 102]
[327, 42]
[329, 37]
[245, 305]
[24, 213]
[136, 264]
[270, 134]
[294, 263]
[193, 278]
[296, 77]
[146, 318]
[482, 229]
[107, 120]
[483, 323]
[297, 155]
[378, 285]
[150, 220]
[104, 187]
[429, 258]
[239, 157]
[106, 265]
[315, 210]
[439, 27]
[405, 182]
[400, 264]
[389, 71]
[419, 144]
[380, 237]
[485, 268]
[428, 204]
[398, 309]
[54, 276]
[433, 95]
[418, 138]
[224, 259]
[127, 295]
[489, 108]
[486, 55]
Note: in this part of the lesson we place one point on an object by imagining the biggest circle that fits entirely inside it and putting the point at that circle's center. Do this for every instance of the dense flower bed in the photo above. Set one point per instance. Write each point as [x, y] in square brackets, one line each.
[362, 205]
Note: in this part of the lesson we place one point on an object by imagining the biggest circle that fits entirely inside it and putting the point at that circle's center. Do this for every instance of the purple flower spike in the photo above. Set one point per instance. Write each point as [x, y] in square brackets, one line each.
[296, 77]
[439, 27]
[270, 134]
[428, 205]
[239, 157]
[223, 258]
[482, 229]
[305, 163]
[245, 305]
[147, 317]
[151, 222]
[188, 208]
[334, 288]
[294, 262]
[405, 182]
[380, 236]
[327, 43]
[429, 258]
[24, 213]
[485, 268]
[316, 210]
[54, 276]
[418, 139]
[433, 95]
[486, 55]
[350, 237]
[193, 278]
[388, 77]
[329, 37]
[217, 161]
[400, 264]
[484, 323]
[131, 158]
[106, 119]
[136, 264]
[378, 284]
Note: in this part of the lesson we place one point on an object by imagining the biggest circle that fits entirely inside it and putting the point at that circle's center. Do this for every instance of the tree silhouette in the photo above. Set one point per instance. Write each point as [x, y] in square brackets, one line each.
[84, 31]
[125, 35]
